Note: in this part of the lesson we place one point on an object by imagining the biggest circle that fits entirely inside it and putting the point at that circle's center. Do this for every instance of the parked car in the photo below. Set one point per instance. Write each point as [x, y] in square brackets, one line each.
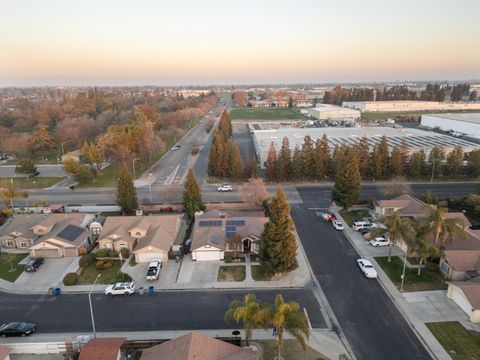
[366, 230]
[33, 264]
[360, 224]
[367, 268]
[34, 174]
[121, 288]
[17, 328]
[337, 224]
[153, 272]
[225, 188]
[176, 147]
[380, 241]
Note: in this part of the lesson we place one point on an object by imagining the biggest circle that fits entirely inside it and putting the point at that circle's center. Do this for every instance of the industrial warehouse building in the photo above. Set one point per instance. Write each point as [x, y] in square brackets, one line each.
[409, 105]
[332, 112]
[460, 123]
[416, 139]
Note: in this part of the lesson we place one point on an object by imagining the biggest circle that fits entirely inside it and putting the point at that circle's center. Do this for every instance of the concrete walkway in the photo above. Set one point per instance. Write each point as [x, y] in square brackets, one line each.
[406, 309]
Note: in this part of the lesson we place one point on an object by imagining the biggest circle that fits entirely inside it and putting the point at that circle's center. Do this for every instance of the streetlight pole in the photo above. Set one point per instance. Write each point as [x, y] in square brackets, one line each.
[433, 169]
[133, 166]
[90, 302]
[150, 186]
[404, 268]
[63, 151]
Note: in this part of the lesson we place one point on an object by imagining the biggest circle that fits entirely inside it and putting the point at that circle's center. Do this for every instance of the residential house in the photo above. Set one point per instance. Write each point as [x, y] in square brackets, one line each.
[102, 349]
[50, 235]
[460, 264]
[148, 237]
[405, 205]
[466, 295]
[196, 345]
[216, 233]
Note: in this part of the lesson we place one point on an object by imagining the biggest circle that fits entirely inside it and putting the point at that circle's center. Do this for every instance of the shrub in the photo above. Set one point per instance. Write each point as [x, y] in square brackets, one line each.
[70, 279]
[99, 264]
[132, 261]
[125, 253]
[228, 259]
[107, 265]
[102, 253]
[86, 260]
[112, 253]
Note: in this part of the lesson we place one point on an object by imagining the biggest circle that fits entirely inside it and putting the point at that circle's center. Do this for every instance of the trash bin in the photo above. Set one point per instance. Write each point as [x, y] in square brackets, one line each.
[141, 290]
[57, 291]
[151, 290]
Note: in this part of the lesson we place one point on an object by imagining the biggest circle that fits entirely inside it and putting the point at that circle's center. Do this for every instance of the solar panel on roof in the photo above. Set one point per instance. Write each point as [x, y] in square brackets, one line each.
[70, 233]
[204, 223]
[235, 222]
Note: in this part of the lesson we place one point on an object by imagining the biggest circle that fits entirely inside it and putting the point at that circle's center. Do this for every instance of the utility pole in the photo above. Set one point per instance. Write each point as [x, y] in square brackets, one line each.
[133, 166]
[90, 302]
[433, 169]
[150, 186]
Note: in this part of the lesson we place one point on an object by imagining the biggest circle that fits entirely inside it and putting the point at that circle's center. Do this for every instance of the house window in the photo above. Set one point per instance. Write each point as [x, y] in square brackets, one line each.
[123, 246]
[96, 230]
[23, 245]
[9, 243]
[444, 267]
[107, 246]
[138, 233]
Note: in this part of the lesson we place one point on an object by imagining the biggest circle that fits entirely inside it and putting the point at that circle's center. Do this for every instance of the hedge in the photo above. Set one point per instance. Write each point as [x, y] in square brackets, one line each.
[70, 279]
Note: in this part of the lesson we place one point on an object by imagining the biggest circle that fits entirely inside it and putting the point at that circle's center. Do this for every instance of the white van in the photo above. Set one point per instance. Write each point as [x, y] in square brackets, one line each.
[360, 224]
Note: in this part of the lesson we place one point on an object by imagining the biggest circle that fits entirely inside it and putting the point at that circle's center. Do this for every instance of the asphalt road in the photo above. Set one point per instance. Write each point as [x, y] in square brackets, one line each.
[373, 326]
[44, 170]
[242, 137]
[169, 310]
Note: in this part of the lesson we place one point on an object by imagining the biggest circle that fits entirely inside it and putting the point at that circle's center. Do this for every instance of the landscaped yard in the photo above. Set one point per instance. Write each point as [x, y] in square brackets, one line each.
[36, 182]
[258, 275]
[430, 279]
[291, 350]
[109, 276]
[266, 114]
[456, 340]
[5, 267]
[352, 215]
[231, 273]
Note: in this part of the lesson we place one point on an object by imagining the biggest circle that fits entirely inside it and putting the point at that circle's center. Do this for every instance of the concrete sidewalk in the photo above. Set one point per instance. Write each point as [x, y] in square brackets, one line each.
[406, 309]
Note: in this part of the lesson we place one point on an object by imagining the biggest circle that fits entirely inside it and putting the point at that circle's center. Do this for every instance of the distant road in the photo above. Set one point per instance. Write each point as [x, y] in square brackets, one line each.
[7, 171]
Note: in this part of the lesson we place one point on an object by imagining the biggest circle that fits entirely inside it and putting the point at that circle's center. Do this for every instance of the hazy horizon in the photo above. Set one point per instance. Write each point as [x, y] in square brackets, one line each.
[126, 43]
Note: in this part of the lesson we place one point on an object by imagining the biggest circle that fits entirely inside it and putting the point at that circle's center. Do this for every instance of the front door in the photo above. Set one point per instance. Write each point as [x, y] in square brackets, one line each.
[247, 246]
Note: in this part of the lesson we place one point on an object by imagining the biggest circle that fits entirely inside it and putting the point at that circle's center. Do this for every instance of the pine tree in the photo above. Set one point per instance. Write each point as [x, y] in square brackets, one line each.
[454, 163]
[278, 247]
[226, 157]
[247, 169]
[254, 167]
[398, 159]
[235, 170]
[192, 197]
[319, 161]
[363, 152]
[435, 160]
[271, 163]
[126, 194]
[225, 125]
[383, 148]
[308, 162]
[416, 165]
[328, 163]
[297, 165]
[473, 163]
[346, 190]
[284, 161]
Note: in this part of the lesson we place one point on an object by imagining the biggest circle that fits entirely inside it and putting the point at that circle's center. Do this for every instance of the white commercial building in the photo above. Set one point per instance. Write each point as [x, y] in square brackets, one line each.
[409, 105]
[332, 112]
[415, 139]
[463, 123]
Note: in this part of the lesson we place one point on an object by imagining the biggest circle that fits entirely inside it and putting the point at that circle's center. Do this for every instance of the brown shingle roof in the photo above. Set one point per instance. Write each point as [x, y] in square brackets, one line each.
[4, 351]
[409, 205]
[471, 289]
[197, 346]
[101, 349]
[463, 260]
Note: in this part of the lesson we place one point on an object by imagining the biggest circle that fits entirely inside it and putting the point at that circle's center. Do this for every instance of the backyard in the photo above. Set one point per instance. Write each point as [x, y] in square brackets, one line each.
[352, 215]
[266, 114]
[430, 279]
[456, 340]
[5, 267]
[109, 276]
[231, 273]
[292, 350]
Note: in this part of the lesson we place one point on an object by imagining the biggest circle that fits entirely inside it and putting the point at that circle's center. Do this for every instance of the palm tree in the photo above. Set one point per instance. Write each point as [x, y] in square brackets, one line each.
[420, 245]
[250, 311]
[442, 228]
[289, 317]
[397, 228]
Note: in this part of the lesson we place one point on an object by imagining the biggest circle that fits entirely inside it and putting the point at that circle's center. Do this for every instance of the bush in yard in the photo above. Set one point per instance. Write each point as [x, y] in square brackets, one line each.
[125, 253]
[70, 279]
[112, 253]
[107, 265]
[99, 264]
[86, 260]
[228, 259]
[132, 261]
[102, 253]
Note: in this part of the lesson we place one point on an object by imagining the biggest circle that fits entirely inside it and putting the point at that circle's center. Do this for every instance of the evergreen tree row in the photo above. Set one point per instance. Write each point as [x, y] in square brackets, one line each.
[315, 161]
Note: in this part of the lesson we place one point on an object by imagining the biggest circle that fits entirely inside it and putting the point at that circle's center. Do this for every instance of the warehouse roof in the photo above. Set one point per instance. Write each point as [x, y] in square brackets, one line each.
[465, 117]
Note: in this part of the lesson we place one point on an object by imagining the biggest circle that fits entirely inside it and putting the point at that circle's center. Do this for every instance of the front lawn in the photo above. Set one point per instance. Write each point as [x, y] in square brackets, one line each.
[231, 273]
[5, 267]
[257, 273]
[456, 340]
[352, 215]
[430, 278]
[109, 276]
[266, 114]
[291, 350]
[36, 182]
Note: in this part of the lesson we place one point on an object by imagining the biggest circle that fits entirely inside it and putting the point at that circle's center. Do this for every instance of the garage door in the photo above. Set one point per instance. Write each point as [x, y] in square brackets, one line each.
[45, 253]
[146, 257]
[461, 300]
[207, 255]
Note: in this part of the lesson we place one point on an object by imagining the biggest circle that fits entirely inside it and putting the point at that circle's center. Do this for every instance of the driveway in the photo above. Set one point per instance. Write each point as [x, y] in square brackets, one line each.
[50, 274]
[166, 280]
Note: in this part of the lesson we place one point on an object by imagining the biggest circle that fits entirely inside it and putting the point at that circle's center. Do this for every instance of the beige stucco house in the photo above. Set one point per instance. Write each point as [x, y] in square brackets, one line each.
[466, 295]
[460, 264]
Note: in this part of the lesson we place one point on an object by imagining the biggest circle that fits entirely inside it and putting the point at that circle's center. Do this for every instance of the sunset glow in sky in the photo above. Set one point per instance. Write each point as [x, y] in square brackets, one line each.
[115, 42]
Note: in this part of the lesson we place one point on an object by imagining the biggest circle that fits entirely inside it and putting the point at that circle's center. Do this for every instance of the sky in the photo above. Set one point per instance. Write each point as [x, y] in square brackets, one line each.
[202, 42]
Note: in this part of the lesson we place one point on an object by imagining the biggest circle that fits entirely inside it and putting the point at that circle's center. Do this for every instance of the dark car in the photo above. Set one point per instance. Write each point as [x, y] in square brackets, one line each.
[34, 174]
[366, 230]
[17, 329]
[33, 264]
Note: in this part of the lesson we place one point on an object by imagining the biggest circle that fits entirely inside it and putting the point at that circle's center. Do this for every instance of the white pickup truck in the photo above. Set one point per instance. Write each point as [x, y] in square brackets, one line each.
[153, 272]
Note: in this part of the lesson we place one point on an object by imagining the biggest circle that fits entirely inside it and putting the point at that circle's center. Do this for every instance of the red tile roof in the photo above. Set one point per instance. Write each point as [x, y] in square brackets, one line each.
[101, 349]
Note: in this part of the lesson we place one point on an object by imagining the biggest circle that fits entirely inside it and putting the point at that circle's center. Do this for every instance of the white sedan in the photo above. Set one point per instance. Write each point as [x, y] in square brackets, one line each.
[367, 268]
[121, 288]
[225, 188]
[337, 224]
[380, 241]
